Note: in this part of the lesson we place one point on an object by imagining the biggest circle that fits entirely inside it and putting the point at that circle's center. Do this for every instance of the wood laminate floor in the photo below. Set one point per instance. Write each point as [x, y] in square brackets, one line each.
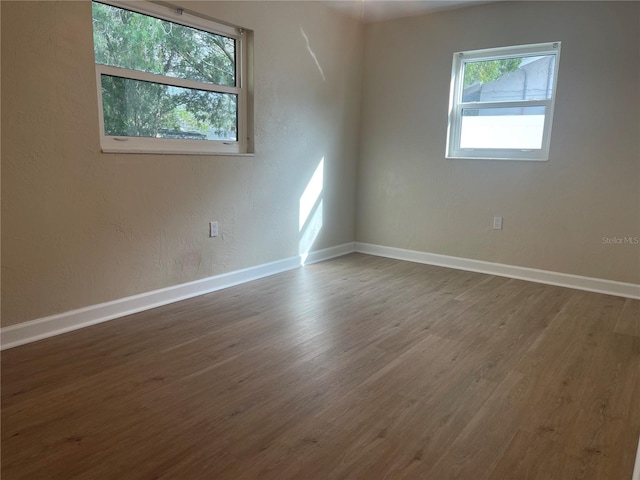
[356, 368]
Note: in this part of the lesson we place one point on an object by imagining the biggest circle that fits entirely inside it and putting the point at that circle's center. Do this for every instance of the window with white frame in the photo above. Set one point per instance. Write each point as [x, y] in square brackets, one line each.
[501, 102]
[169, 81]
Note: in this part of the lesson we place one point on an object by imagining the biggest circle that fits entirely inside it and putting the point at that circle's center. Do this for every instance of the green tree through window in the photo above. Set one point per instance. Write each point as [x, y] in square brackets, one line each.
[489, 71]
[131, 107]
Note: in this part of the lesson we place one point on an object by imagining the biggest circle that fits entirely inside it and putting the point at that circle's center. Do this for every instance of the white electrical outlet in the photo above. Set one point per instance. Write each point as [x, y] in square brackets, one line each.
[213, 229]
[497, 223]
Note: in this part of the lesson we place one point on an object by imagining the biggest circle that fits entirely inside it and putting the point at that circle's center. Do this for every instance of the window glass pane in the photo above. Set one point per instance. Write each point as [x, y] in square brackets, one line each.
[133, 108]
[509, 79]
[131, 40]
[500, 128]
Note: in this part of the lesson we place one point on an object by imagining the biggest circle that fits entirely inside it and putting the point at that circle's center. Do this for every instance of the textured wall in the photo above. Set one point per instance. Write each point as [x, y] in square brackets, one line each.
[556, 212]
[80, 227]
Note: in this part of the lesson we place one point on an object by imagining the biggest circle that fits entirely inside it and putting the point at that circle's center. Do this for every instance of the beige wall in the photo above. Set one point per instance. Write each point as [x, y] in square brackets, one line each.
[80, 227]
[556, 212]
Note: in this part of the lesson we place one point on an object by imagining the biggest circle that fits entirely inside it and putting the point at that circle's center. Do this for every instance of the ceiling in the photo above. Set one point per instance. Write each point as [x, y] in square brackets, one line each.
[378, 10]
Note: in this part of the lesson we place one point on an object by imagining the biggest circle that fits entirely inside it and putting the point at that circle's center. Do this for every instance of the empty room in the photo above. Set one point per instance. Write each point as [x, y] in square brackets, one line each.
[314, 240]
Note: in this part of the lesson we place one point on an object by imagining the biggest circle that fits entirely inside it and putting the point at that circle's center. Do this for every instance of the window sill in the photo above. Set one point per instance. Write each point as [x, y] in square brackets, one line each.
[176, 152]
[500, 159]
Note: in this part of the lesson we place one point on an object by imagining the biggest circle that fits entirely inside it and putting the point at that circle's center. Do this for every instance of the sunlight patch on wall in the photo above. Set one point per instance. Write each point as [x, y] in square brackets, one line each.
[310, 212]
[313, 55]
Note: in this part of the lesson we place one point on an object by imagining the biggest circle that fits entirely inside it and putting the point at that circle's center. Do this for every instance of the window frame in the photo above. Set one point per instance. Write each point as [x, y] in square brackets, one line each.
[124, 144]
[456, 105]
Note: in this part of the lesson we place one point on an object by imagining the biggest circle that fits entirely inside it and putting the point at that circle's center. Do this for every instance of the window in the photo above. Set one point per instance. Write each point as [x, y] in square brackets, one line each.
[169, 82]
[501, 102]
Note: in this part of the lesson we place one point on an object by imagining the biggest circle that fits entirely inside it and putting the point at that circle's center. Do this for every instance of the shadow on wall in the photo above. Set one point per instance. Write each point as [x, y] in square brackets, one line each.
[310, 212]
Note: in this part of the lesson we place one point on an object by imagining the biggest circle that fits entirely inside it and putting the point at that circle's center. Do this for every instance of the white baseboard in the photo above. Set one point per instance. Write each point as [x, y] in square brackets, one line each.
[609, 287]
[41, 328]
[326, 254]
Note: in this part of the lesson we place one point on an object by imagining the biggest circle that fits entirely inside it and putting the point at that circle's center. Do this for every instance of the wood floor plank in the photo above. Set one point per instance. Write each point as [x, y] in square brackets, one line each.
[488, 433]
[629, 321]
[531, 456]
[356, 368]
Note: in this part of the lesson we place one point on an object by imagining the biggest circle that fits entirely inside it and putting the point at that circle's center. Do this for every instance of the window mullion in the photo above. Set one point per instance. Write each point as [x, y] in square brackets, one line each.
[511, 104]
[164, 80]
